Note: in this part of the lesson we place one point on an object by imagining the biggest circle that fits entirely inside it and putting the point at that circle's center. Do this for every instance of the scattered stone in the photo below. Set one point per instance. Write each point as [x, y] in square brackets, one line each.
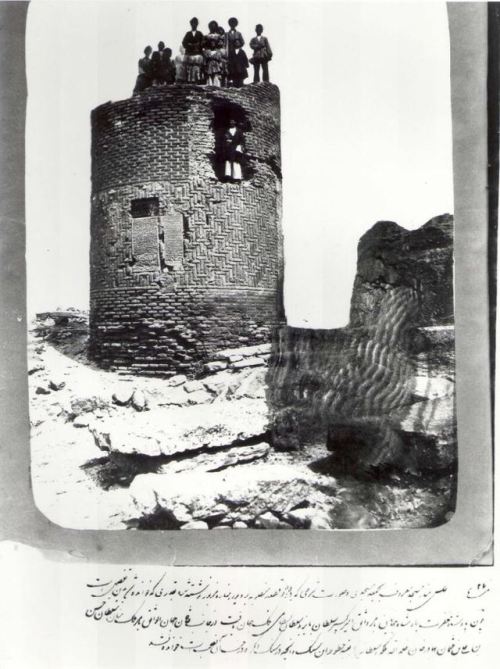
[82, 421]
[172, 430]
[36, 368]
[195, 525]
[253, 386]
[174, 397]
[216, 366]
[246, 518]
[42, 390]
[215, 515]
[243, 351]
[234, 501]
[233, 380]
[249, 362]
[267, 521]
[305, 517]
[262, 488]
[217, 460]
[82, 405]
[234, 358]
[320, 521]
[139, 401]
[217, 384]
[303, 504]
[177, 380]
[122, 395]
[239, 525]
[200, 397]
[193, 386]
[180, 513]
[58, 317]
[352, 516]
[46, 321]
[222, 527]
[56, 384]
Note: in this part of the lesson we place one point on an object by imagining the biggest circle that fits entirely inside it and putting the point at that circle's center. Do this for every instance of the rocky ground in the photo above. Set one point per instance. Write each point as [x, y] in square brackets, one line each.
[112, 451]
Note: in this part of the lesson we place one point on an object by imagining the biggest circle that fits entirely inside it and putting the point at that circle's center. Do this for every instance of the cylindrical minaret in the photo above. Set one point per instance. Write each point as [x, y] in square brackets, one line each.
[183, 263]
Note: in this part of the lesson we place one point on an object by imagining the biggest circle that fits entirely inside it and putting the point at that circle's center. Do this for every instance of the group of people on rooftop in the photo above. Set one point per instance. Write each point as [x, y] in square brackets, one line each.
[214, 59]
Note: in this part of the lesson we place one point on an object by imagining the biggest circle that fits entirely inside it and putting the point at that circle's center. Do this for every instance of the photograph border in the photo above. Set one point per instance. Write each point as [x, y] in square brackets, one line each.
[466, 539]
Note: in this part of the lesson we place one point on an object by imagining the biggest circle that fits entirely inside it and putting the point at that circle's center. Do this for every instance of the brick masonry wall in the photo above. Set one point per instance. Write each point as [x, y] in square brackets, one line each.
[226, 290]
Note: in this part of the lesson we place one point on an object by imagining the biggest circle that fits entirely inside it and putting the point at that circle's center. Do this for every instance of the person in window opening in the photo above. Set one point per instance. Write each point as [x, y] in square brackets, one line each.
[238, 64]
[144, 78]
[168, 70]
[223, 56]
[212, 43]
[193, 44]
[156, 68]
[262, 54]
[234, 146]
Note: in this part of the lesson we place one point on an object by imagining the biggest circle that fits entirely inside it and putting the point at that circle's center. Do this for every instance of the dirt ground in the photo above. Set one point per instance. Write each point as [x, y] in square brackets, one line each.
[78, 485]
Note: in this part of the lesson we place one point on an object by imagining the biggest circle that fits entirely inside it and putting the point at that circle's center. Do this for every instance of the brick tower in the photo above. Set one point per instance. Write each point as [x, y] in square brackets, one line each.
[182, 263]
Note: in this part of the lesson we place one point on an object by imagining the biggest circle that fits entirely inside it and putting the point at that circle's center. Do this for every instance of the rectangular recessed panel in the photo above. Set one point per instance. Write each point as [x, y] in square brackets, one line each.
[173, 227]
[145, 244]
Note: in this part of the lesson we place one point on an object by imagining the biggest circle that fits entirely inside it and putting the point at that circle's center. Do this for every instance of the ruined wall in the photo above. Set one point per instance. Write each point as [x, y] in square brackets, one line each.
[183, 264]
[382, 389]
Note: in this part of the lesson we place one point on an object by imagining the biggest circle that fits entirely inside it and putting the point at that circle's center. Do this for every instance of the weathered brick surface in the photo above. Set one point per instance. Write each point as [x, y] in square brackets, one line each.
[160, 311]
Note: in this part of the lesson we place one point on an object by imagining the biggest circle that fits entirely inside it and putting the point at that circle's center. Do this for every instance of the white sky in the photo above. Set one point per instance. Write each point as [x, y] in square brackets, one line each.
[366, 128]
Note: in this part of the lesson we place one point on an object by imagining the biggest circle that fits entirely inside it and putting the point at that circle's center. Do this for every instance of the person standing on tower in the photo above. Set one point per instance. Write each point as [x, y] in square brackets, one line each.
[232, 36]
[156, 68]
[144, 78]
[180, 66]
[238, 65]
[193, 44]
[223, 56]
[211, 54]
[167, 67]
[262, 54]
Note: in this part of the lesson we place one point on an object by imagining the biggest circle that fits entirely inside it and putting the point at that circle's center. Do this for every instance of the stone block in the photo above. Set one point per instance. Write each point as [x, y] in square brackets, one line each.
[215, 366]
[249, 362]
[172, 430]
[193, 386]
